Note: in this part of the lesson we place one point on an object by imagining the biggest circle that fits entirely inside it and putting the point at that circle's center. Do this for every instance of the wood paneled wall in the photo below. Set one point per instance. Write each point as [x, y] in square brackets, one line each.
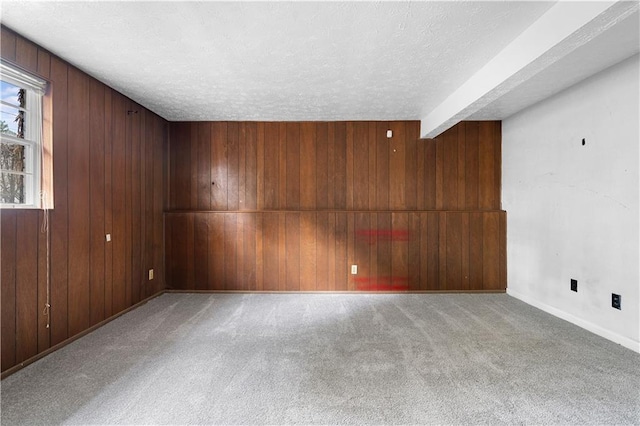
[313, 251]
[108, 178]
[290, 206]
[244, 166]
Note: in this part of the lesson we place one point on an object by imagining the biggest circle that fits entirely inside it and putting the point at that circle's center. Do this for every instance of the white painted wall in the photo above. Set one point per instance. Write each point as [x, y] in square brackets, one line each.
[572, 210]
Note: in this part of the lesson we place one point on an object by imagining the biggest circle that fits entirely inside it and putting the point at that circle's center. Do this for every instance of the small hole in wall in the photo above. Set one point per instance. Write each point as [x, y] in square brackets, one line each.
[584, 142]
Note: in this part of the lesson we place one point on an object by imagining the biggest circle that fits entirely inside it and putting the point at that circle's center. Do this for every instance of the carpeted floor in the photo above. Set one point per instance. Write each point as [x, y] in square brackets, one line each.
[330, 359]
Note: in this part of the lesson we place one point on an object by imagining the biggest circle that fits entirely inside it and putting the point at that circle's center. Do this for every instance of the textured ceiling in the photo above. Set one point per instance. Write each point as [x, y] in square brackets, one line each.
[277, 60]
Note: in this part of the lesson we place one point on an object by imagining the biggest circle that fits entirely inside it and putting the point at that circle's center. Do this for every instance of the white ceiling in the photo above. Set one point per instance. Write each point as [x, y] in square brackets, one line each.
[288, 61]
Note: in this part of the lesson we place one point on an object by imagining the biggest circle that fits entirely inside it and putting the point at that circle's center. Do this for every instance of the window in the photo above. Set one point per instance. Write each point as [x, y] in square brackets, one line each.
[21, 147]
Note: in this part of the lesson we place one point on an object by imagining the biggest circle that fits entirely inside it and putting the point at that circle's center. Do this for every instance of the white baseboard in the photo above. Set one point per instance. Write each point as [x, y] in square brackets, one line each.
[595, 329]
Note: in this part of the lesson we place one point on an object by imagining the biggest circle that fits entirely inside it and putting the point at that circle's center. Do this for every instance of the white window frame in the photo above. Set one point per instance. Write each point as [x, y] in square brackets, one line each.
[35, 89]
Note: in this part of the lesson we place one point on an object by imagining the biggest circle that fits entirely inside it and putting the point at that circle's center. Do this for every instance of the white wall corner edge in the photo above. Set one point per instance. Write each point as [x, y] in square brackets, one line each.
[595, 329]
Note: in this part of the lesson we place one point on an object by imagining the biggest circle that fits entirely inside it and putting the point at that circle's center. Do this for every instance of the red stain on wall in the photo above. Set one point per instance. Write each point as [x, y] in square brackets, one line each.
[391, 283]
[372, 236]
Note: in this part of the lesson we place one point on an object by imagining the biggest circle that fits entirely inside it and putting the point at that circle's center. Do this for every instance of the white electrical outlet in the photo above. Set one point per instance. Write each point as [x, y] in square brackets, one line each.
[108, 237]
[354, 269]
[389, 134]
[150, 274]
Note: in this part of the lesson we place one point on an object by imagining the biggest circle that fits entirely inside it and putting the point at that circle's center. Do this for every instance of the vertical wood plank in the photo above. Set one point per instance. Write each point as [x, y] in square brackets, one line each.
[399, 251]
[8, 237]
[159, 199]
[382, 166]
[282, 252]
[472, 165]
[322, 166]
[219, 200]
[383, 278]
[475, 251]
[414, 261]
[170, 259]
[204, 190]
[201, 251]
[8, 46]
[331, 252]
[464, 247]
[349, 165]
[360, 165]
[433, 251]
[146, 202]
[322, 250]
[217, 254]
[108, 203]
[249, 256]
[424, 251]
[136, 204]
[240, 283]
[442, 248]
[351, 259]
[233, 158]
[97, 201]
[450, 166]
[26, 284]
[251, 167]
[497, 165]
[440, 189]
[292, 266]
[308, 251]
[26, 54]
[362, 249]
[397, 167]
[259, 237]
[192, 142]
[59, 215]
[293, 166]
[118, 203]
[491, 251]
[128, 198]
[271, 166]
[260, 165]
[373, 252]
[44, 243]
[340, 166]
[486, 162]
[454, 250]
[412, 133]
[172, 159]
[331, 166]
[182, 161]
[282, 161]
[79, 190]
[270, 251]
[421, 174]
[430, 175]
[308, 166]
[372, 171]
[341, 270]
[230, 250]
[503, 251]
[461, 166]
[242, 165]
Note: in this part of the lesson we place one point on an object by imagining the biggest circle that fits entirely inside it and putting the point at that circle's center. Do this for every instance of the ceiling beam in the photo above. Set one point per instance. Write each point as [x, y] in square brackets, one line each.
[561, 30]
